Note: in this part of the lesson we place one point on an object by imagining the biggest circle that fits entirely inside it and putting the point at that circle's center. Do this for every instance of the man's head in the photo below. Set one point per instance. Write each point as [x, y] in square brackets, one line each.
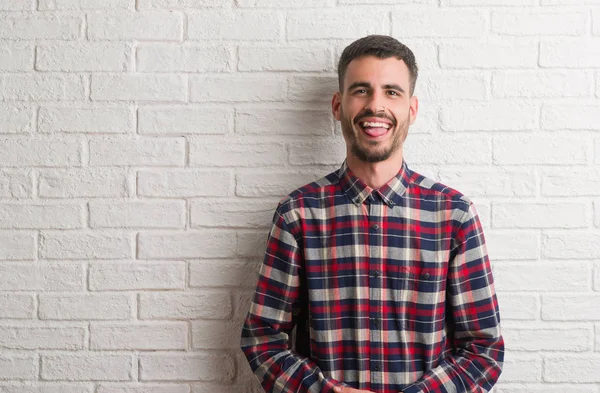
[375, 104]
[381, 47]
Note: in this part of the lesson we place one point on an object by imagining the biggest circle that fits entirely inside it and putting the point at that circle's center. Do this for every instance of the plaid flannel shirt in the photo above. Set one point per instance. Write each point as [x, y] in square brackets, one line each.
[390, 290]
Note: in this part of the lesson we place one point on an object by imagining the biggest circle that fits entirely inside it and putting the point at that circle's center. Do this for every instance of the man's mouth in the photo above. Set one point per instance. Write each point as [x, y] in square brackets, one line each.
[375, 128]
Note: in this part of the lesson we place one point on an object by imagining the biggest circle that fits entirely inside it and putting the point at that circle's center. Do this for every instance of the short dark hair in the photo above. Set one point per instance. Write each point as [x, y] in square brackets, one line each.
[382, 47]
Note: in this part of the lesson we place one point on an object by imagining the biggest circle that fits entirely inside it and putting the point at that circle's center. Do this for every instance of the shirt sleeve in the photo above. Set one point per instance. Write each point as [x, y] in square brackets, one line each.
[266, 330]
[472, 319]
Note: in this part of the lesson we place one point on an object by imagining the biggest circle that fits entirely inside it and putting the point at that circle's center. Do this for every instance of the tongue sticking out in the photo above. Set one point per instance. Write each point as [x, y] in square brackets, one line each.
[375, 131]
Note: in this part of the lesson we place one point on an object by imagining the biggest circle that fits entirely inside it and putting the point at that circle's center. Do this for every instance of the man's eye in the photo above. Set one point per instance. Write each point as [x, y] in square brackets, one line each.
[360, 91]
[393, 93]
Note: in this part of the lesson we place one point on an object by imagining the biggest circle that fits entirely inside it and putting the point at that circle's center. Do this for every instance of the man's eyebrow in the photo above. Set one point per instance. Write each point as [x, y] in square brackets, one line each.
[392, 86]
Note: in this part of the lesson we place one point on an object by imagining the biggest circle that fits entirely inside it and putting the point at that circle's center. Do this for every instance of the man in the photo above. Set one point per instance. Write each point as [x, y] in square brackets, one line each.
[384, 271]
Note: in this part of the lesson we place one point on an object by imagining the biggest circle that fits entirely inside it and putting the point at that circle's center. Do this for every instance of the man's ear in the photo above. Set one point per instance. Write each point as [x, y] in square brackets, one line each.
[414, 108]
[336, 104]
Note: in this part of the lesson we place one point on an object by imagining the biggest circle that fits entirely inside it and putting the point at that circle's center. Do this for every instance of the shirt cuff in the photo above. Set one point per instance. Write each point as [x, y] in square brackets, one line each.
[414, 388]
[329, 384]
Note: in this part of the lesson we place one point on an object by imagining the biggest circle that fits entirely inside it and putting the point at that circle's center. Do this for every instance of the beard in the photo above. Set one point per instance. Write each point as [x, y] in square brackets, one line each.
[367, 150]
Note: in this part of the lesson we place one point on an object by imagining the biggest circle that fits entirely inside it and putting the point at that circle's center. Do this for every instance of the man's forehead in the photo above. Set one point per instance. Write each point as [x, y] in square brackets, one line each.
[370, 68]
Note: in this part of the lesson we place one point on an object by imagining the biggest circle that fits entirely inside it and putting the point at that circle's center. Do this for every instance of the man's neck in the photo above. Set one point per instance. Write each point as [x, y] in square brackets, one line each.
[376, 174]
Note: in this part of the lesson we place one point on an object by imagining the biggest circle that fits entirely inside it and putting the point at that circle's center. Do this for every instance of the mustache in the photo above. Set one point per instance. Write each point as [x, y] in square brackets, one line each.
[370, 113]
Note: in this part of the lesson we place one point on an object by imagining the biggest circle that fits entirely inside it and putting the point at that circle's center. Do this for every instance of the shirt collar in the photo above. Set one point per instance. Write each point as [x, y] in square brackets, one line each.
[391, 192]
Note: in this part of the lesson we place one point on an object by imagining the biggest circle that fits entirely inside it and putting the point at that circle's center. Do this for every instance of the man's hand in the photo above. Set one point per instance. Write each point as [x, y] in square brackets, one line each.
[345, 389]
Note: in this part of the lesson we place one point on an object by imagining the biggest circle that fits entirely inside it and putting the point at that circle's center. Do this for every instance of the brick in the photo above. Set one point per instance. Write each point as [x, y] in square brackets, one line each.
[223, 273]
[16, 184]
[16, 276]
[17, 306]
[466, 86]
[243, 301]
[183, 183]
[460, 3]
[491, 181]
[570, 117]
[597, 214]
[205, 153]
[186, 367]
[45, 387]
[539, 215]
[518, 306]
[232, 213]
[272, 183]
[216, 334]
[142, 26]
[438, 23]
[142, 214]
[492, 116]
[36, 151]
[186, 244]
[597, 338]
[35, 25]
[16, 5]
[513, 245]
[181, 4]
[286, 3]
[544, 388]
[567, 307]
[96, 306]
[86, 182]
[569, 368]
[249, 386]
[42, 87]
[544, 84]
[597, 287]
[547, 150]
[570, 182]
[570, 2]
[188, 305]
[566, 52]
[16, 120]
[315, 59]
[536, 22]
[324, 152]
[88, 366]
[542, 276]
[89, 120]
[85, 245]
[495, 53]
[251, 244]
[522, 368]
[184, 58]
[556, 338]
[247, 88]
[85, 4]
[143, 388]
[16, 56]
[71, 57]
[137, 152]
[448, 150]
[185, 120]
[139, 336]
[138, 87]
[44, 337]
[571, 245]
[255, 121]
[41, 216]
[595, 18]
[22, 366]
[221, 25]
[312, 88]
[335, 24]
[129, 276]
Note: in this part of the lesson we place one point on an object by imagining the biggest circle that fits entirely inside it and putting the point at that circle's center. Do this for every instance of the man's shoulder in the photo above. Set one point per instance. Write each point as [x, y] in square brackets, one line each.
[428, 188]
[313, 191]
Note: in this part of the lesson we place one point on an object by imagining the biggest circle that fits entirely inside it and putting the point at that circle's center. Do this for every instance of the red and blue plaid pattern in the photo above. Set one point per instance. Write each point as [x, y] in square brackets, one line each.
[391, 290]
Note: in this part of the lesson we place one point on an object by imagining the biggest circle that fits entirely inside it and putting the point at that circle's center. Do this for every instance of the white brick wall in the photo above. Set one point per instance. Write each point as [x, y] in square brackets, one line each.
[144, 145]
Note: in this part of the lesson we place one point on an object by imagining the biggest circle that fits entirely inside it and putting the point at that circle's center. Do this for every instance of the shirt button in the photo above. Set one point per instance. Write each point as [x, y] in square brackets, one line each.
[375, 227]
[377, 367]
[376, 273]
[425, 276]
[375, 321]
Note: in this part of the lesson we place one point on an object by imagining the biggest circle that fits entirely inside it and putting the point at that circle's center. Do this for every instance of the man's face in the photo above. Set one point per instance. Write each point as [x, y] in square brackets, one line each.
[374, 108]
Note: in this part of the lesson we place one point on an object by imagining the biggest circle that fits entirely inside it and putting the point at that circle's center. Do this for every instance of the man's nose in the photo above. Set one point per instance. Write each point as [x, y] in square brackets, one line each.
[375, 104]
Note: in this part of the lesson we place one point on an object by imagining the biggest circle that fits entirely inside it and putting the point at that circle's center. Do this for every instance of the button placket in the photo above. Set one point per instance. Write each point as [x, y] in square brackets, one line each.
[375, 234]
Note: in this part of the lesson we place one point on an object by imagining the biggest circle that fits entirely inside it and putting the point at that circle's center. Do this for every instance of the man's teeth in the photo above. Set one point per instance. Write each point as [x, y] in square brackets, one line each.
[366, 124]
